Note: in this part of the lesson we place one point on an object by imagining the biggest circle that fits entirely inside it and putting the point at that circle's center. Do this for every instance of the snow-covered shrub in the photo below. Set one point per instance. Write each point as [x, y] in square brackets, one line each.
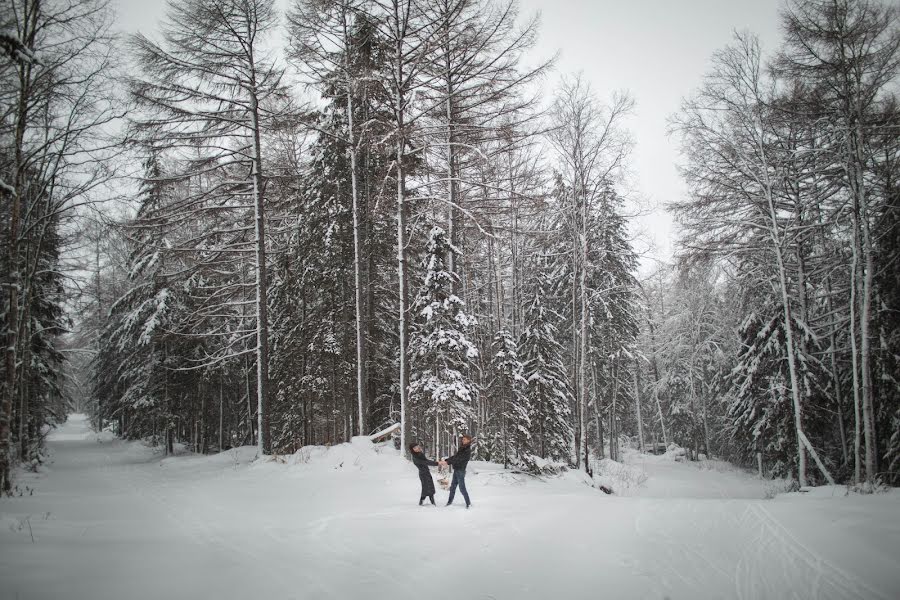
[878, 487]
[617, 476]
[781, 486]
[303, 455]
[720, 466]
[676, 453]
[531, 463]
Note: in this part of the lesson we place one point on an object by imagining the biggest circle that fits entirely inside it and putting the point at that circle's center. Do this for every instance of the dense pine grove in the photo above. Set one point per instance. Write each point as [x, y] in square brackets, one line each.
[290, 229]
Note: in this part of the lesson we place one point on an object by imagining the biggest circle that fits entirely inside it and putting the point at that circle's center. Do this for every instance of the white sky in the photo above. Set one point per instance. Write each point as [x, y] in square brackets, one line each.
[658, 50]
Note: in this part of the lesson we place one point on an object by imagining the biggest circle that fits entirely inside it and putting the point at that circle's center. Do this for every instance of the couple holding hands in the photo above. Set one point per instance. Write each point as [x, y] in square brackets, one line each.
[458, 461]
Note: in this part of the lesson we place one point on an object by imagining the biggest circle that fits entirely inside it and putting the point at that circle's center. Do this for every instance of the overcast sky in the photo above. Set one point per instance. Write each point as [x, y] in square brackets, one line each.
[658, 50]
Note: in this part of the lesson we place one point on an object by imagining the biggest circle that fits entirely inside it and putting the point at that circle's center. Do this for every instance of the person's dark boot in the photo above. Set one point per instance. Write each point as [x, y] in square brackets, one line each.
[421, 500]
[432, 500]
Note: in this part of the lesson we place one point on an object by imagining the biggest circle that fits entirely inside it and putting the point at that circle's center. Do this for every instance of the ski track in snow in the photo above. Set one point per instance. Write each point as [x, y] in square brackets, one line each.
[824, 579]
[113, 519]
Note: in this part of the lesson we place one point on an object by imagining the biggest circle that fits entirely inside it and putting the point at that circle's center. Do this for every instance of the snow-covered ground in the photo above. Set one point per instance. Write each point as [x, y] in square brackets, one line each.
[111, 519]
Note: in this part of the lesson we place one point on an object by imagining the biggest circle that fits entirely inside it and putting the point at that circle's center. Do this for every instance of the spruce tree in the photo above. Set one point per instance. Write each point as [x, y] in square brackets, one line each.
[549, 395]
[759, 402]
[513, 440]
[441, 351]
[130, 365]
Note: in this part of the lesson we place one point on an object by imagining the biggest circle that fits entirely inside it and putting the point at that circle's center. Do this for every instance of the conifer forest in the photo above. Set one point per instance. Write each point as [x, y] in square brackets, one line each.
[288, 224]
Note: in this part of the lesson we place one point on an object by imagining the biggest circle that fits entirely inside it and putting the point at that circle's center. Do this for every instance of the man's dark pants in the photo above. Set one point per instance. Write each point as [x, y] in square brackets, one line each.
[459, 479]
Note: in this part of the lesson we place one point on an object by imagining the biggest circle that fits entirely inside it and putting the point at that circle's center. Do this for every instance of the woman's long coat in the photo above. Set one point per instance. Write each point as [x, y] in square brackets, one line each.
[422, 463]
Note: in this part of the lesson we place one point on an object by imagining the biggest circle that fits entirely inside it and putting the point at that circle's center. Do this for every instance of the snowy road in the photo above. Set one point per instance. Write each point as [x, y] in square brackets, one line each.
[114, 520]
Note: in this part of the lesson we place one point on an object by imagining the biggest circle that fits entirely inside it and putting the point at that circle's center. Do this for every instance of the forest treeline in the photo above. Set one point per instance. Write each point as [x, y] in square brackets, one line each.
[366, 212]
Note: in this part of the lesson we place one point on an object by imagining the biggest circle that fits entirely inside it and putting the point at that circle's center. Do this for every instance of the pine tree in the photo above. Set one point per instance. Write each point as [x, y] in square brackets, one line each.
[442, 353]
[334, 231]
[41, 400]
[513, 439]
[212, 87]
[613, 309]
[312, 304]
[549, 395]
[130, 367]
[759, 395]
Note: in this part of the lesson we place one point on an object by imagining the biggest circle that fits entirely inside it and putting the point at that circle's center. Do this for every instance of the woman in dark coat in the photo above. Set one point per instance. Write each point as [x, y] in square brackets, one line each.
[422, 463]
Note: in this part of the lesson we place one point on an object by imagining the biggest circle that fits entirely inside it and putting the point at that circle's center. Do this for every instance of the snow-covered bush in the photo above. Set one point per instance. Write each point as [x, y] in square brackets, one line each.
[676, 453]
[781, 486]
[617, 476]
[531, 463]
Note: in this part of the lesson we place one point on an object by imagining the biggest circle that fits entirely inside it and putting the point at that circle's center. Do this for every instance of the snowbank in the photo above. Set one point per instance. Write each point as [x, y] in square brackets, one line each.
[360, 454]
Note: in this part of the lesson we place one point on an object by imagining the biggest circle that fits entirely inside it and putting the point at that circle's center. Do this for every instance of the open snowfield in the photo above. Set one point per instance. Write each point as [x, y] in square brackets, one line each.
[112, 519]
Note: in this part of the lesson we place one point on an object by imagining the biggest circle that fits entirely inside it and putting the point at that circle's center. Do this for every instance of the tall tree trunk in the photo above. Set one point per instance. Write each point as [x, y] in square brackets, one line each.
[405, 428]
[613, 413]
[575, 347]
[452, 175]
[791, 348]
[361, 374]
[262, 311]
[585, 326]
[248, 392]
[221, 412]
[865, 340]
[601, 452]
[835, 373]
[514, 252]
[706, 438]
[655, 370]
[399, 24]
[13, 283]
[789, 335]
[24, 376]
[203, 420]
[637, 408]
[854, 362]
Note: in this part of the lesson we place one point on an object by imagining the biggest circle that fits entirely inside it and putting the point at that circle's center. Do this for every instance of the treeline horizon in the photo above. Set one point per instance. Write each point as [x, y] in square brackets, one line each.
[428, 243]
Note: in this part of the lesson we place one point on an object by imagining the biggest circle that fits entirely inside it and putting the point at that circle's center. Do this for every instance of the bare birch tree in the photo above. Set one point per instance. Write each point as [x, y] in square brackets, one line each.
[735, 176]
[592, 145]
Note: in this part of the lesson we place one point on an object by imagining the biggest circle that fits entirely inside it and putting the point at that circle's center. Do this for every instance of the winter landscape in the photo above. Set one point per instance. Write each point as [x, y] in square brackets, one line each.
[114, 519]
[496, 299]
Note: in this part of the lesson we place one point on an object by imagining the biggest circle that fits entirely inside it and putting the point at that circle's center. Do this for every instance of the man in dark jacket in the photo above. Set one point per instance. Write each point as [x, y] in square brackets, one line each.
[459, 461]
